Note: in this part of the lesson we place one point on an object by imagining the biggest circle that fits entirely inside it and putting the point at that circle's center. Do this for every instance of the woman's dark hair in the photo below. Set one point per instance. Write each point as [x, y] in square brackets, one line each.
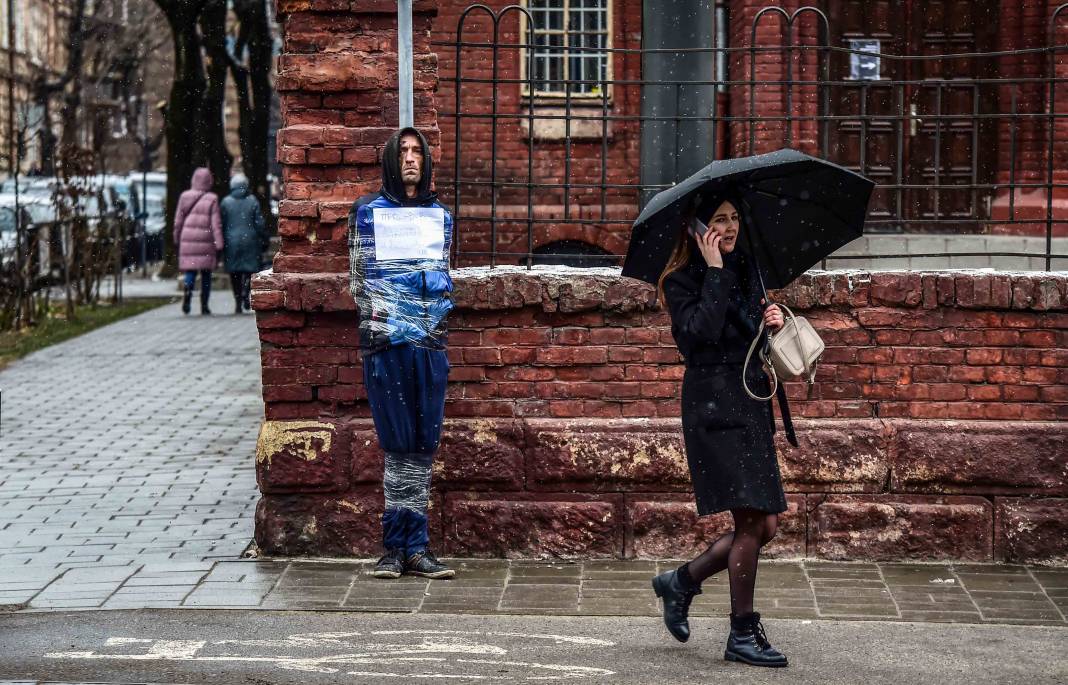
[701, 208]
[681, 253]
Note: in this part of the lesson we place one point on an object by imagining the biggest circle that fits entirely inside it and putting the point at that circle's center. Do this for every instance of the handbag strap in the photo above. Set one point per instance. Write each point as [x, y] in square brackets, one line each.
[745, 367]
[778, 390]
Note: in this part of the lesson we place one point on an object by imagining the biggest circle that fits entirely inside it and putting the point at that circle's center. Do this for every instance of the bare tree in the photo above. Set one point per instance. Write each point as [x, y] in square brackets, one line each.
[69, 84]
[250, 64]
[213, 152]
[184, 104]
[194, 125]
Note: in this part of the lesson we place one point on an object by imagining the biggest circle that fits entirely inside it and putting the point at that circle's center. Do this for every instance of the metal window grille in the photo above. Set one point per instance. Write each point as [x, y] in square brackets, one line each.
[571, 38]
[938, 167]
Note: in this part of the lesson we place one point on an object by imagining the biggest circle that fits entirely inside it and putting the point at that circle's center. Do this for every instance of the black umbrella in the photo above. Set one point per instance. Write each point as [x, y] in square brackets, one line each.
[796, 210]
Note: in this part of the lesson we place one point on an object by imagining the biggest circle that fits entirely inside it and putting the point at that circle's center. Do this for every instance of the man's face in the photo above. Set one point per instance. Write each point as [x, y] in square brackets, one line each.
[411, 159]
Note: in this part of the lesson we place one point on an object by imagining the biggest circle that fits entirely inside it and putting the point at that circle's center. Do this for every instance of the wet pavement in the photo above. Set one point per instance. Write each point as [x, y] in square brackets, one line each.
[308, 647]
[126, 448]
[127, 481]
[808, 589]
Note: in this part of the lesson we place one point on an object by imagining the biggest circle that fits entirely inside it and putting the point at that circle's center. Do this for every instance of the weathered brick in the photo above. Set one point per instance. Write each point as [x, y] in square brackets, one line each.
[900, 527]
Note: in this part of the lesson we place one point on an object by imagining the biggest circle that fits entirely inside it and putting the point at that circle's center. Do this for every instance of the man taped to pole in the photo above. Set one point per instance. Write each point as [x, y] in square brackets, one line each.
[399, 242]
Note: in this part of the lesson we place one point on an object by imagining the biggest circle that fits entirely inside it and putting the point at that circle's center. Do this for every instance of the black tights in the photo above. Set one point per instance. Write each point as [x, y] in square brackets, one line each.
[737, 552]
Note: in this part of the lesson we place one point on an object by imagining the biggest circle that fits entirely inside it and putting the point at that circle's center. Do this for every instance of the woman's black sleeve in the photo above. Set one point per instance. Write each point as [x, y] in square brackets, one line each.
[699, 313]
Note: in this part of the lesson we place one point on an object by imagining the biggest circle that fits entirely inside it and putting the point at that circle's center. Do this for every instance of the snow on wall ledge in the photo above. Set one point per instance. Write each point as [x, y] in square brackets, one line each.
[935, 429]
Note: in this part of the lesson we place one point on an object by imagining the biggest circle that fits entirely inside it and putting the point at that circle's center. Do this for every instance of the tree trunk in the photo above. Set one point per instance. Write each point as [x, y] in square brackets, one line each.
[213, 151]
[183, 115]
[255, 36]
[72, 98]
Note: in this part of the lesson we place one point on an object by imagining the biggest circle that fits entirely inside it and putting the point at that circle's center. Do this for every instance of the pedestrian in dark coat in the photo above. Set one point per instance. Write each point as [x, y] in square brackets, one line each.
[198, 236]
[245, 238]
[716, 306]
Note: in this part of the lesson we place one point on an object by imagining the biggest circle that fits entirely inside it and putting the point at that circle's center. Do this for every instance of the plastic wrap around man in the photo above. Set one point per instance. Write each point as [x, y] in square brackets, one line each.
[399, 243]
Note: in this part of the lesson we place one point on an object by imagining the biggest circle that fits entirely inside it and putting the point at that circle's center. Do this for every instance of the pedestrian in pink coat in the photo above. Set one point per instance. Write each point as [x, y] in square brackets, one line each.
[198, 236]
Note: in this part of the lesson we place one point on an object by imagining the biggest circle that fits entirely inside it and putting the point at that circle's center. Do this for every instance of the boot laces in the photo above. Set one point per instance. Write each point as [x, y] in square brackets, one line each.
[760, 636]
[687, 598]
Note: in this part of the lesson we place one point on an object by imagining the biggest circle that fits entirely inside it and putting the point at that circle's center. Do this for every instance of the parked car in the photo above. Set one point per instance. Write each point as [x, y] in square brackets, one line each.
[44, 239]
[28, 185]
[155, 182]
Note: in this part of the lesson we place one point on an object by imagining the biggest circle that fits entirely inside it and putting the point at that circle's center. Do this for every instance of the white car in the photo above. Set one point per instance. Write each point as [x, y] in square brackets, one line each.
[37, 217]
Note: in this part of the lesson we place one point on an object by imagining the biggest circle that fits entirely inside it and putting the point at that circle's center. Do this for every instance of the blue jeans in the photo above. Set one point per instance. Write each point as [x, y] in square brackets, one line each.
[205, 282]
[406, 392]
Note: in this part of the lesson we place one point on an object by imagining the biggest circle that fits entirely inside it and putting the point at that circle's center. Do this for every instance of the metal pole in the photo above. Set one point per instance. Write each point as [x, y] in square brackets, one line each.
[144, 185]
[679, 116]
[404, 62]
[14, 152]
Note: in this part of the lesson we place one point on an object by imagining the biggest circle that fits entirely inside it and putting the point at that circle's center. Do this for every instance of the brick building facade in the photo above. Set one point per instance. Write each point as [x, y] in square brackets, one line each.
[972, 126]
[936, 427]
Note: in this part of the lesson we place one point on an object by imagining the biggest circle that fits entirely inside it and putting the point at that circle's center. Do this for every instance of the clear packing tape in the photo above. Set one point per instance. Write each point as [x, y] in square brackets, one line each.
[406, 481]
[399, 276]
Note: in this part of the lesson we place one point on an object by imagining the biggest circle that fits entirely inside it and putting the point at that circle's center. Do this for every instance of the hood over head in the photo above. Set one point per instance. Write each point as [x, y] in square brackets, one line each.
[392, 183]
[201, 179]
[239, 185]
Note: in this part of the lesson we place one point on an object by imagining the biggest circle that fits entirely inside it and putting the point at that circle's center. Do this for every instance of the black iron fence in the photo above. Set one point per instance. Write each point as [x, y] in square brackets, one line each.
[959, 144]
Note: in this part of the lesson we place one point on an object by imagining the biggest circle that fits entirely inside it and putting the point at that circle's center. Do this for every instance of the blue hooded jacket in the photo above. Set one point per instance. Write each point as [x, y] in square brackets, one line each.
[400, 301]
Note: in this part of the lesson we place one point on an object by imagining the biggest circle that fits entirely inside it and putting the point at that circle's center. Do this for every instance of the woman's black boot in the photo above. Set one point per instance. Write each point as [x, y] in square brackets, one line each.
[677, 595]
[748, 643]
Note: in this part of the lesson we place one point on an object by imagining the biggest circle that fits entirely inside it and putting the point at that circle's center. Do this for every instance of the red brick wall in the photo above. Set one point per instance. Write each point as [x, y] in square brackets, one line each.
[770, 99]
[337, 79]
[899, 345]
[587, 155]
[562, 418]
[935, 429]
[1024, 26]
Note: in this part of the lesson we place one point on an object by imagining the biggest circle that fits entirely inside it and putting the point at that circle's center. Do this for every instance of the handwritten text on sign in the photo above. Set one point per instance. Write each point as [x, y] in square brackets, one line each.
[409, 233]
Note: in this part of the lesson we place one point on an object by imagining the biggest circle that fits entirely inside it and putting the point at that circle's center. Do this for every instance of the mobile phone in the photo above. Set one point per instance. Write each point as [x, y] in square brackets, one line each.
[698, 228]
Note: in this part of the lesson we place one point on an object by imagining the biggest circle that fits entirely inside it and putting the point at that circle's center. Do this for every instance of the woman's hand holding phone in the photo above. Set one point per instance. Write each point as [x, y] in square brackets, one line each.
[708, 243]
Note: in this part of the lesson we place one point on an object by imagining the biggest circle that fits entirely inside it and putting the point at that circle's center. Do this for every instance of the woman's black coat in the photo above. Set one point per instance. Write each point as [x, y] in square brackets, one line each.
[715, 313]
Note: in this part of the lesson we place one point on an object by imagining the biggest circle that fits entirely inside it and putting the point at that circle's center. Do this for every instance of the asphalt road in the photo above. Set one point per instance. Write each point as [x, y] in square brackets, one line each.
[305, 647]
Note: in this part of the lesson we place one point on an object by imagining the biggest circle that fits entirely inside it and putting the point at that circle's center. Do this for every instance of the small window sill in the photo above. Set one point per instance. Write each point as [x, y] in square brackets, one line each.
[586, 123]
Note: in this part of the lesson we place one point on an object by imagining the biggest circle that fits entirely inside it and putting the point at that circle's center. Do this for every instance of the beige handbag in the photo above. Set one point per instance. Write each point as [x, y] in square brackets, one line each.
[792, 353]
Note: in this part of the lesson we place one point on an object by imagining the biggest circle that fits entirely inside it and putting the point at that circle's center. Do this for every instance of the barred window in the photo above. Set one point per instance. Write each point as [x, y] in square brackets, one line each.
[570, 41]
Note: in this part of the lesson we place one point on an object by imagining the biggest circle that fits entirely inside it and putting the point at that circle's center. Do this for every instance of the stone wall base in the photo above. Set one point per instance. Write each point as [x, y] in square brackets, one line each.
[619, 488]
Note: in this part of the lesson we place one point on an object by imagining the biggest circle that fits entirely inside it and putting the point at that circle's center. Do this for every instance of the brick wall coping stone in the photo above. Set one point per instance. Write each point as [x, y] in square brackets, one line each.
[566, 289]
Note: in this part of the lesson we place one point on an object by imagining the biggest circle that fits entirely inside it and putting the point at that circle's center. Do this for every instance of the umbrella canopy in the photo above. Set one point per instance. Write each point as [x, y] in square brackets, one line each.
[795, 209]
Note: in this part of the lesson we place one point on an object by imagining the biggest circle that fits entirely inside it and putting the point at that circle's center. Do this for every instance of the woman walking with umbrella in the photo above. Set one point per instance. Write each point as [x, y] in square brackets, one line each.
[716, 305]
[788, 210]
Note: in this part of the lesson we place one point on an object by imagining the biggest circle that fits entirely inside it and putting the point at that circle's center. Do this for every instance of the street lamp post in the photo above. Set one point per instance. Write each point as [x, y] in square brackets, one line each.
[404, 63]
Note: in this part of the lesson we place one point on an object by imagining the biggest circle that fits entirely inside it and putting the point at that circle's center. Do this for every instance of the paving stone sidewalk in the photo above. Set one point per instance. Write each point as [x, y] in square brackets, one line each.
[127, 481]
[959, 593]
[127, 448]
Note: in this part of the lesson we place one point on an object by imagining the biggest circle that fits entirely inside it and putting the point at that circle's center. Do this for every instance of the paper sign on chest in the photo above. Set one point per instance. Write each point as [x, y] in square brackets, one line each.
[409, 233]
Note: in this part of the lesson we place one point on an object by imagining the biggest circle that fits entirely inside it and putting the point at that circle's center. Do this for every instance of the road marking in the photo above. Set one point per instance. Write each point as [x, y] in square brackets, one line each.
[559, 639]
[445, 654]
[175, 649]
